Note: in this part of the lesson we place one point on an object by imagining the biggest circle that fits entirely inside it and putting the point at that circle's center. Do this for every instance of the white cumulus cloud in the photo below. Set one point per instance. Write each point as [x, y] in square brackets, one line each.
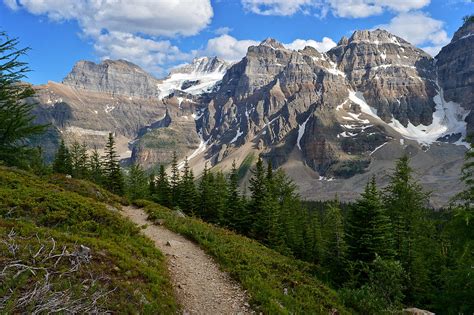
[366, 8]
[339, 8]
[322, 46]
[151, 54]
[152, 17]
[131, 30]
[419, 29]
[277, 7]
[227, 47]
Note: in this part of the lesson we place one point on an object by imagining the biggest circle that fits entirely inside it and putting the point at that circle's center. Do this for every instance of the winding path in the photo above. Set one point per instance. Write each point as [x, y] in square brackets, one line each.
[200, 286]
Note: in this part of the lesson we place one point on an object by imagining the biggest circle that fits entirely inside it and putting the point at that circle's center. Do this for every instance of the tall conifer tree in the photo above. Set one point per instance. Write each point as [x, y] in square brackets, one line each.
[163, 189]
[174, 180]
[113, 177]
[16, 118]
[188, 197]
[368, 227]
[236, 212]
[335, 249]
[137, 183]
[62, 161]
[258, 186]
[95, 167]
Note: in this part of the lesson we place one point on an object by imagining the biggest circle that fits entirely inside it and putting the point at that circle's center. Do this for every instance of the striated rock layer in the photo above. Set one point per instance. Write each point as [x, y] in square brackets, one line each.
[330, 119]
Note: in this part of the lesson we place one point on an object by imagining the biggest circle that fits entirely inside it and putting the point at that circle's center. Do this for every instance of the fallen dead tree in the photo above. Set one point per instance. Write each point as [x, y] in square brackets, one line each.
[41, 277]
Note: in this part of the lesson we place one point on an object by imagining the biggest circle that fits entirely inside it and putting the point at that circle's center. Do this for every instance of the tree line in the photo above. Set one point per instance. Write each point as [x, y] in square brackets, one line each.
[385, 250]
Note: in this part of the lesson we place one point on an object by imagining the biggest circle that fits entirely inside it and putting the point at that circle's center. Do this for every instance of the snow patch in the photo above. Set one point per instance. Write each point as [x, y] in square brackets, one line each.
[198, 116]
[206, 80]
[346, 134]
[448, 118]
[392, 65]
[358, 98]
[384, 55]
[109, 108]
[180, 100]
[394, 40]
[377, 148]
[467, 35]
[237, 136]
[271, 121]
[201, 148]
[301, 130]
[339, 107]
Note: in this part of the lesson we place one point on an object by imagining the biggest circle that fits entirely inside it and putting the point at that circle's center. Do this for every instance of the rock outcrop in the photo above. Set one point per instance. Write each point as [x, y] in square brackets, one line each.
[334, 107]
[116, 77]
[455, 65]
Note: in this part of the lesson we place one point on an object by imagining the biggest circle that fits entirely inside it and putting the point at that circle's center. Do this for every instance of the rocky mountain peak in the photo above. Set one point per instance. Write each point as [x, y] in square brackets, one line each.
[200, 76]
[343, 41]
[272, 43]
[119, 77]
[203, 65]
[376, 37]
[467, 30]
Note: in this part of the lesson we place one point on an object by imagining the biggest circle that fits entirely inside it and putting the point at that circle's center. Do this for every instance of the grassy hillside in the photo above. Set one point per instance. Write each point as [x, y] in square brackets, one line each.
[275, 283]
[65, 252]
[67, 248]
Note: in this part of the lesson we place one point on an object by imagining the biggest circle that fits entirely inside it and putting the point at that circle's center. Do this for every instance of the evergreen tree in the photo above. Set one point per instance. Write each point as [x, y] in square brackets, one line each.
[37, 165]
[406, 202]
[74, 151]
[163, 189]
[335, 249]
[237, 215]
[220, 196]
[313, 239]
[258, 189]
[289, 212]
[95, 167]
[137, 183]
[79, 159]
[174, 182]
[62, 161]
[368, 227]
[113, 177]
[457, 277]
[83, 162]
[188, 197]
[16, 119]
[466, 197]
[206, 185]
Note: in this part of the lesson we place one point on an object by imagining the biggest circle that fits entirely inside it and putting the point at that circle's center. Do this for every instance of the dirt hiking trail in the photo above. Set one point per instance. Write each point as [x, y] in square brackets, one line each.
[200, 286]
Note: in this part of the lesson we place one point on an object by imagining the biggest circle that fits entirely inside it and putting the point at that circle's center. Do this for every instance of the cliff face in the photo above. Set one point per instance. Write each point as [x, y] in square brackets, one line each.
[455, 65]
[116, 77]
[335, 107]
[396, 78]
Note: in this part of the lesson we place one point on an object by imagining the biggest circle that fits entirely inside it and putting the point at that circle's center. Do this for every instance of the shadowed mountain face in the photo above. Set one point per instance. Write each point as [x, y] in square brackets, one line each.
[455, 64]
[321, 116]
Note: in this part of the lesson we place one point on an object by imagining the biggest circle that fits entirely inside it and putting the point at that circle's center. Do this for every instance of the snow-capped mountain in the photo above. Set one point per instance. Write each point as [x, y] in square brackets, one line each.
[330, 119]
[200, 76]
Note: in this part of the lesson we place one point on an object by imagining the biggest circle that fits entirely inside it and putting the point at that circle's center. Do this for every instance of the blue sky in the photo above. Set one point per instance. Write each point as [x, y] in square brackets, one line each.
[159, 34]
